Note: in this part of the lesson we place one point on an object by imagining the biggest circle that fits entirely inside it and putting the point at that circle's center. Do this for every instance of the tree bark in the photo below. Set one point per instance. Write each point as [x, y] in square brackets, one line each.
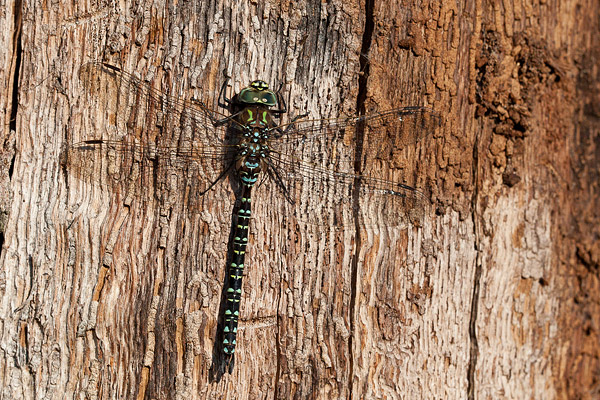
[494, 293]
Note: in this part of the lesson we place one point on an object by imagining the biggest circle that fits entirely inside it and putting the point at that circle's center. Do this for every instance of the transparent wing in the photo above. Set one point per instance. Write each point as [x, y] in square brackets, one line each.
[101, 79]
[141, 140]
[167, 174]
[384, 132]
[332, 171]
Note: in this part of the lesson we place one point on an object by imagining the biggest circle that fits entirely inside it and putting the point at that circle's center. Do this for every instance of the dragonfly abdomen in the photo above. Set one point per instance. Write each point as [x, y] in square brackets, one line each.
[236, 272]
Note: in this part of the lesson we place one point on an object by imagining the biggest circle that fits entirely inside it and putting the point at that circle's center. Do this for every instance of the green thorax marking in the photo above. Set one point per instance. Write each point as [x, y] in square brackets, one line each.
[255, 116]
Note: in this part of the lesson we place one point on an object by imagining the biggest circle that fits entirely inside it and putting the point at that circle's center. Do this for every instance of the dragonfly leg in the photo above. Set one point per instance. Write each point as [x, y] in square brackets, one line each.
[226, 102]
[225, 171]
[213, 120]
[280, 102]
[226, 120]
[296, 118]
[290, 125]
[272, 172]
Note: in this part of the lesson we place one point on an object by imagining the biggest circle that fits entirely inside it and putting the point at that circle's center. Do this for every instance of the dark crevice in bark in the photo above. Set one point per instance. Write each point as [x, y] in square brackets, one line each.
[278, 345]
[474, 345]
[474, 348]
[364, 58]
[360, 132]
[17, 64]
[12, 124]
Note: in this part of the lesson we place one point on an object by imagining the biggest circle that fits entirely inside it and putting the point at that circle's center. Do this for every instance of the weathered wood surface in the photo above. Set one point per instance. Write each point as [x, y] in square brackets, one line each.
[495, 294]
[9, 19]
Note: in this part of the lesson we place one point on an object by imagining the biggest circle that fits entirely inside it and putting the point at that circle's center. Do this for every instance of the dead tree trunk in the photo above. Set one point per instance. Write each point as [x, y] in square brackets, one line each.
[114, 291]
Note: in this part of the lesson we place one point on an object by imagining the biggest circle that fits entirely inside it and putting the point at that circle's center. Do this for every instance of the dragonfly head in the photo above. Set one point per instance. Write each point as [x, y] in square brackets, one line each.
[258, 93]
[260, 85]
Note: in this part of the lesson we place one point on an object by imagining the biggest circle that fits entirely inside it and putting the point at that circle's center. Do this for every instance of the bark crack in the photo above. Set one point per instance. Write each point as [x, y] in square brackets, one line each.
[278, 342]
[16, 64]
[360, 134]
[7, 142]
[474, 345]
[474, 348]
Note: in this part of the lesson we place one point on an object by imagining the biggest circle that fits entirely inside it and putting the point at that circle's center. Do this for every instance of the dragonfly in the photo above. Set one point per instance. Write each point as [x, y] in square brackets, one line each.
[154, 136]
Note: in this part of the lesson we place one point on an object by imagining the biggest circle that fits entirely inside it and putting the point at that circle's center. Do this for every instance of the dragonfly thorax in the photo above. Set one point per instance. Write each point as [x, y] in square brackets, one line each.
[252, 151]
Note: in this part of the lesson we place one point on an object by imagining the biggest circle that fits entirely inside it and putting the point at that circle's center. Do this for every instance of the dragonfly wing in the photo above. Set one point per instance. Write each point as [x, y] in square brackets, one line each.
[322, 196]
[147, 141]
[148, 171]
[130, 97]
[319, 158]
[384, 133]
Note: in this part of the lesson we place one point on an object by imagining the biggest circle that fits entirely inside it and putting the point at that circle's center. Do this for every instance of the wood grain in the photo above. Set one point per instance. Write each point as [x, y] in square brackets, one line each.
[494, 294]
